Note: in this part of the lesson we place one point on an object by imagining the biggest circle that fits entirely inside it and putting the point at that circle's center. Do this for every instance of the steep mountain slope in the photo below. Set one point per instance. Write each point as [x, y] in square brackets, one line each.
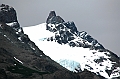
[72, 49]
[20, 58]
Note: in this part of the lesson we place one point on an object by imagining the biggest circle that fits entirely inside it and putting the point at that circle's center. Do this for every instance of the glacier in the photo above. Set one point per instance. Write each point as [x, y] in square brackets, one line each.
[72, 58]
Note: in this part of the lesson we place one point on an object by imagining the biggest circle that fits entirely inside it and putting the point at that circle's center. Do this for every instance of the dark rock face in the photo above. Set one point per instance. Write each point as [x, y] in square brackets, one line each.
[71, 25]
[87, 75]
[87, 37]
[51, 14]
[8, 17]
[53, 19]
[7, 14]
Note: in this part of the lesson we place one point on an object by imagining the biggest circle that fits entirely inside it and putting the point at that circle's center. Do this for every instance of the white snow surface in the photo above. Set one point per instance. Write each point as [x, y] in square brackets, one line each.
[18, 60]
[11, 24]
[71, 58]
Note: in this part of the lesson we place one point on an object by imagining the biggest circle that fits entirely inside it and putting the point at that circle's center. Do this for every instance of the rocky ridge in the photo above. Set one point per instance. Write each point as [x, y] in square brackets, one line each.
[67, 33]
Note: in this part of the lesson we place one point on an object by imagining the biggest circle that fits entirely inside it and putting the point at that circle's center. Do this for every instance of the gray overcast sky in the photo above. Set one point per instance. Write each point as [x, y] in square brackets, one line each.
[99, 18]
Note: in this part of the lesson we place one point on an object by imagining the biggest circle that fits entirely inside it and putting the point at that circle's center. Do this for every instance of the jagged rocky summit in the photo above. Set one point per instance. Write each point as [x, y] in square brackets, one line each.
[67, 33]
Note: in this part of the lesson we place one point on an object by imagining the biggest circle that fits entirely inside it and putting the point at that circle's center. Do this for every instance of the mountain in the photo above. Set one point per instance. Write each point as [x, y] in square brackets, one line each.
[74, 50]
[22, 57]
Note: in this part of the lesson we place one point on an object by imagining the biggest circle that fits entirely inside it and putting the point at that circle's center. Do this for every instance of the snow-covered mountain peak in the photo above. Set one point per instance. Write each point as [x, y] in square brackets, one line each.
[74, 50]
[60, 41]
[67, 33]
